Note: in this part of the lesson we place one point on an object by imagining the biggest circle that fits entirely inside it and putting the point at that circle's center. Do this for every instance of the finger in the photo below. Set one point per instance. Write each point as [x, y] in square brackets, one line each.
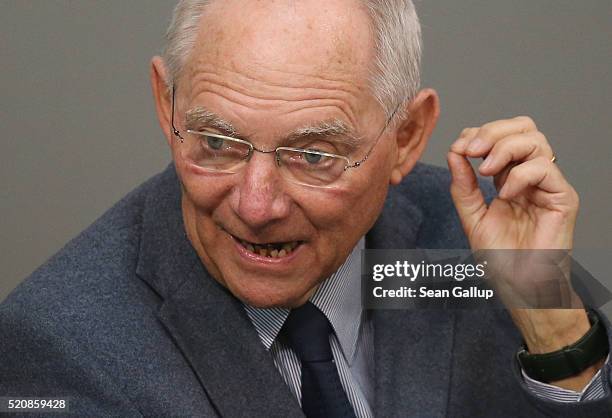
[515, 148]
[466, 193]
[464, 139]
[539, 172]
[500, 178]
[492, 132]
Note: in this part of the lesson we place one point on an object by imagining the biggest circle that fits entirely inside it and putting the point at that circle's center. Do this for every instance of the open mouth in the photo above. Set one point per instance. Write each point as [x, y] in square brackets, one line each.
[271, 250]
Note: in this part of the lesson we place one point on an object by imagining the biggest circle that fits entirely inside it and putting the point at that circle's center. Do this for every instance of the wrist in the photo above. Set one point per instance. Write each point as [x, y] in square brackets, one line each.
[548, 330]
[573, 365]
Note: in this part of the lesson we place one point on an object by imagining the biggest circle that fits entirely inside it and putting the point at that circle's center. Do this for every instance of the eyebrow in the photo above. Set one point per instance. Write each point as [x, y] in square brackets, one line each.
[336, 128]
[199, 118]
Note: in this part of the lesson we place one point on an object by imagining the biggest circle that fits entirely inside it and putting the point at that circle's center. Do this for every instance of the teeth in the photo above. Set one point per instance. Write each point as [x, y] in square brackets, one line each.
[270, 250]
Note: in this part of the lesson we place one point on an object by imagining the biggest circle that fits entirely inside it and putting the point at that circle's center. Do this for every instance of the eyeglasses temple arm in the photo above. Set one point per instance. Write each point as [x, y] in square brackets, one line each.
[365, 158]
[174, 130]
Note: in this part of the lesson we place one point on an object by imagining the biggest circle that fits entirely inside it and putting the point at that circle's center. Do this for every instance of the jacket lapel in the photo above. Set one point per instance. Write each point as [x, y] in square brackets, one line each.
[212, 330]
[412, 348]
[206, 322]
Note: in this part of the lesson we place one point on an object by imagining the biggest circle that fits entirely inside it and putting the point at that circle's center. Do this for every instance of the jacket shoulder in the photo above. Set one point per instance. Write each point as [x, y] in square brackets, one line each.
[85, 324]
[108, 246]
[57, 323]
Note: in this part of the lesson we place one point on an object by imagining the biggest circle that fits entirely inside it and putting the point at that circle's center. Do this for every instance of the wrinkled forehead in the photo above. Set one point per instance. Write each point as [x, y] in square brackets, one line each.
[286, 40]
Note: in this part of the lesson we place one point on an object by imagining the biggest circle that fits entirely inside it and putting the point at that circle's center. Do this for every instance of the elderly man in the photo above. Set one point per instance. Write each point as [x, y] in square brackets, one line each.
[228, 285]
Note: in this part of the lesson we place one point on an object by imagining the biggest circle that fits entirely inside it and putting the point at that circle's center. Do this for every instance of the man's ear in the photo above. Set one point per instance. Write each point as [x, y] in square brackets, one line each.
[162, 98]
[414, 132]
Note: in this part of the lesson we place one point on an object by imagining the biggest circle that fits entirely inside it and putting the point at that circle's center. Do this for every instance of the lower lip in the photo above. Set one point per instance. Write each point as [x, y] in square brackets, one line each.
[263, 260]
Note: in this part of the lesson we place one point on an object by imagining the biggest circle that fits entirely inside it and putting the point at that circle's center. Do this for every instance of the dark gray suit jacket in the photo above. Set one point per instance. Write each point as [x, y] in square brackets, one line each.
[126, 321]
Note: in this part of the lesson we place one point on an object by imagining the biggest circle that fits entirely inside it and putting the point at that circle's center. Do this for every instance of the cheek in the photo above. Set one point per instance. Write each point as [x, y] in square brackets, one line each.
[204, 190]
[344, 214]
[365, 201]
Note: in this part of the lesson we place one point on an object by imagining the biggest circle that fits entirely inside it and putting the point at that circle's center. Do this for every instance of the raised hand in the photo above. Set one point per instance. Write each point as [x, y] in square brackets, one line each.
[536, 208]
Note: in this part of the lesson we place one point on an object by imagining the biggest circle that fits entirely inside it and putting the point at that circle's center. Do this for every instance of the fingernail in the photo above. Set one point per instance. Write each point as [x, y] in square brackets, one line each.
[476, 145]
[459, 145]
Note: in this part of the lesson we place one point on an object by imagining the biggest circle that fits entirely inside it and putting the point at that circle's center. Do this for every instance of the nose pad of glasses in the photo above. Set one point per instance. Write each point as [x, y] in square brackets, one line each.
[249, 154]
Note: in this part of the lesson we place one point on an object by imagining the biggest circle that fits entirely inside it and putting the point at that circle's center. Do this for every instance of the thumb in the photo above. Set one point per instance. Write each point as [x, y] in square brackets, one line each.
[466, 193]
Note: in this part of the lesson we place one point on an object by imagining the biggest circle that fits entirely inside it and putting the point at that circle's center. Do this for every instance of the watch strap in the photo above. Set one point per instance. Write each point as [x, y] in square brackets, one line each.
[570, 360]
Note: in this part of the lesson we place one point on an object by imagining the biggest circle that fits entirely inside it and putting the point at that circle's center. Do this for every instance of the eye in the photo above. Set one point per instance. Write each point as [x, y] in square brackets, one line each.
[214, 142]
[312, 158]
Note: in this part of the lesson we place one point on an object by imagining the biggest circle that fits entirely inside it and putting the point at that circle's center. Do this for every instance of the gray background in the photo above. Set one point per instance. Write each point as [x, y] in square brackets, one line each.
[80, 131]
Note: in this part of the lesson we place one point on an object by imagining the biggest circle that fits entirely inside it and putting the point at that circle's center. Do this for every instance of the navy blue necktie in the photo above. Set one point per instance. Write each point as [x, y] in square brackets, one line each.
[308, 332]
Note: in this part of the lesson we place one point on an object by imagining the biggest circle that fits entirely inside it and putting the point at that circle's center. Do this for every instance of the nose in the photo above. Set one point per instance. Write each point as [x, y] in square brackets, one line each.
[259, 198]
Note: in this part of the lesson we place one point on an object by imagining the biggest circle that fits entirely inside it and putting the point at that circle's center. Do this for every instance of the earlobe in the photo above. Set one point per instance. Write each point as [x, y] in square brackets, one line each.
[414, 132]
[396, 177]
[161, 96]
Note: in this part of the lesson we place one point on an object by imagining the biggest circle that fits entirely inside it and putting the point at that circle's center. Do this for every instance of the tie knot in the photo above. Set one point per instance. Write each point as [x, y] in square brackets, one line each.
[308, 331]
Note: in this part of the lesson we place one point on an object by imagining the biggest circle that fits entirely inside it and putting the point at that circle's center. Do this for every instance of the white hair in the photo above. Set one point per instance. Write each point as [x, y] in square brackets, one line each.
[395, 76]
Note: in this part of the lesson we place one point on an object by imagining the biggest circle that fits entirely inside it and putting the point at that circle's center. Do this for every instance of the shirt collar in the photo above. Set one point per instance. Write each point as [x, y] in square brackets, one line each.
[338, 297]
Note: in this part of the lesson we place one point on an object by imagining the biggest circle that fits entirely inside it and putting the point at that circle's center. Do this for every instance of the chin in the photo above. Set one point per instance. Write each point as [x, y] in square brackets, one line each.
[269, 296]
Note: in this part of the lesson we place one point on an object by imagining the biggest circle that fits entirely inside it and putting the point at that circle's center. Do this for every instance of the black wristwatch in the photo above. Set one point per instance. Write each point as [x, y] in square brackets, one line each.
[570, 360]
